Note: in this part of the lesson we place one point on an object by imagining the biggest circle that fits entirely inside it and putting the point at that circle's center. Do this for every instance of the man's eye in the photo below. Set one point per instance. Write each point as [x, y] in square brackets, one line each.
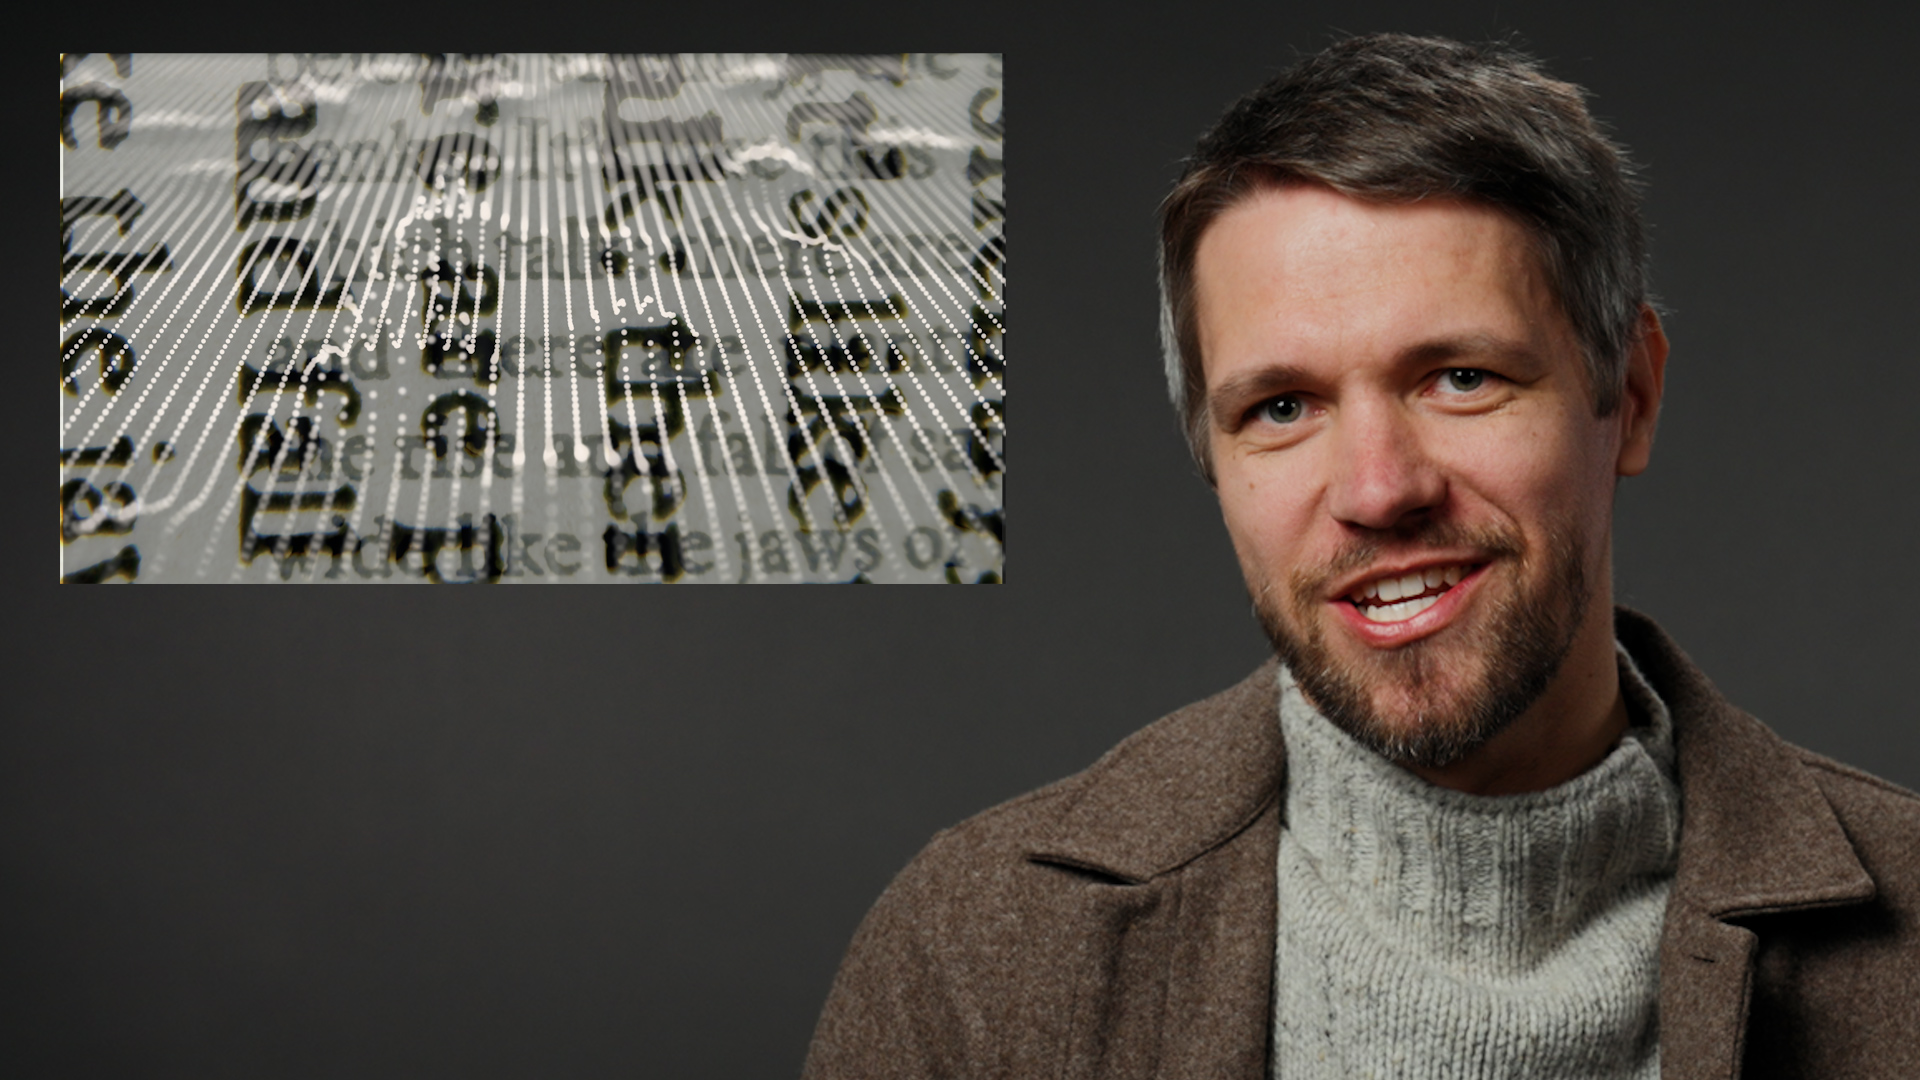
[1463, 380]
[1284, 409]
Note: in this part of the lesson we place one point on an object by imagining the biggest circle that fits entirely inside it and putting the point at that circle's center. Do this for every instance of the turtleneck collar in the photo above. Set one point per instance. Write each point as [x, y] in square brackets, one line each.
[1488, 885]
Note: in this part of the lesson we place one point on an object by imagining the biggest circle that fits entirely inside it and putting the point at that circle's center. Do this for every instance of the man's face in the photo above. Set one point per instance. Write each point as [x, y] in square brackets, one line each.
[1407, 458]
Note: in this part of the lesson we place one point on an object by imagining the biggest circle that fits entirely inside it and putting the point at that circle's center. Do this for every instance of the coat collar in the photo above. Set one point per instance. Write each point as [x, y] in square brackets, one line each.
[1174, 790]
[1757, 836]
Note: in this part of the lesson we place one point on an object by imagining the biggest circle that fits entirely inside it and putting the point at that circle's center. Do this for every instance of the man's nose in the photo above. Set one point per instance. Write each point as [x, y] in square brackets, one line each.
[1382, 474]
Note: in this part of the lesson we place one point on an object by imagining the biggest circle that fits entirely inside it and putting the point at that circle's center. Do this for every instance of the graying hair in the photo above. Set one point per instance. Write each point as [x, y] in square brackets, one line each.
[1393, 118]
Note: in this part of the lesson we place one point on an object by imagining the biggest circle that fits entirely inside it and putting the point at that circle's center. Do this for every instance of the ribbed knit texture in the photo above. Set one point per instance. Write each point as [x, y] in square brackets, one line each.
[1425, 932]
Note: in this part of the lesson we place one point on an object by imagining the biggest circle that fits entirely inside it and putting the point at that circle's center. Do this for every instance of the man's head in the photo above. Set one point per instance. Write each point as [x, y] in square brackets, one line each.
[1406, 322]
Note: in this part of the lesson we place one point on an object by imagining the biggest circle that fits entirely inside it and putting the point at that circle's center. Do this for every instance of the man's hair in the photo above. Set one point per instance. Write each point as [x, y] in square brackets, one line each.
[1391, 118]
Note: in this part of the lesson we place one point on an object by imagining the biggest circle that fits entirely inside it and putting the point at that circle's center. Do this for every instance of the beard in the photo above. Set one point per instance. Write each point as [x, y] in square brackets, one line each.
[1433, 701]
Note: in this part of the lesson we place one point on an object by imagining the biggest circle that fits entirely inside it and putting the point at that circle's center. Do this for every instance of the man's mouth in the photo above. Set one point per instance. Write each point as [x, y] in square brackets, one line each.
[1399, 597]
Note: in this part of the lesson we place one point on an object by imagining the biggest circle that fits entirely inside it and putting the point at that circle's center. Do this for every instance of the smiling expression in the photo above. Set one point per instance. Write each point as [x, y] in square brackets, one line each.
[1408, 460]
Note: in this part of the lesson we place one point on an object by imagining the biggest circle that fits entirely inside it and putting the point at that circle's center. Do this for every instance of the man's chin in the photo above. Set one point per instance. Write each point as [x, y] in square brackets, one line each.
[1423, 704]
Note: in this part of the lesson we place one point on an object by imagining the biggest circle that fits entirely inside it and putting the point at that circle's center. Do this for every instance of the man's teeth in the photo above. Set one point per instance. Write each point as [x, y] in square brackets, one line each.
[1396, 599]
[1400, 612]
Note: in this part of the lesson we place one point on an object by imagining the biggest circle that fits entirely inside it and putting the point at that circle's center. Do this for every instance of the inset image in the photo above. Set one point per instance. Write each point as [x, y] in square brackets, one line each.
[359, 318]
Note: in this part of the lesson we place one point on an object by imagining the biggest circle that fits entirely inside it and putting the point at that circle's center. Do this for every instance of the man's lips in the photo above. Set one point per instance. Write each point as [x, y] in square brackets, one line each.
[1394, 606]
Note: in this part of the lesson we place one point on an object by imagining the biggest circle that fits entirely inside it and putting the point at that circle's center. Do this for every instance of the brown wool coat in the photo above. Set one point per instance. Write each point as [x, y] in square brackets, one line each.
[1120, 923]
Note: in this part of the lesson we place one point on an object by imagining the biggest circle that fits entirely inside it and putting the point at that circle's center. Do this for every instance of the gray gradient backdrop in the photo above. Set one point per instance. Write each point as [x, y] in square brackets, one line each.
[399, 833]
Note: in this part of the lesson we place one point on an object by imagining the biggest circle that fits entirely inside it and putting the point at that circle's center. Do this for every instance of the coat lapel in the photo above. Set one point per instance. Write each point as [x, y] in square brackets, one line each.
[1756, 838]
[1182, 821]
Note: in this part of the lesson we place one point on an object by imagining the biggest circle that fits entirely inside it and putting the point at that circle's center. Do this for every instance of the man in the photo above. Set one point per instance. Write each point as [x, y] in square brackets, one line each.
[1473, 820]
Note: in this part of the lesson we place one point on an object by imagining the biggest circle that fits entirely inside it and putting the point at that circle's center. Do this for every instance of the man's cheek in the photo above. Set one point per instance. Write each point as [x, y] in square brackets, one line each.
[1257, 542]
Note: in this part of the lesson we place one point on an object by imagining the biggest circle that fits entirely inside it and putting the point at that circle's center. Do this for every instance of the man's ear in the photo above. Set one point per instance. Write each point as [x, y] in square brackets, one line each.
[1640, 403]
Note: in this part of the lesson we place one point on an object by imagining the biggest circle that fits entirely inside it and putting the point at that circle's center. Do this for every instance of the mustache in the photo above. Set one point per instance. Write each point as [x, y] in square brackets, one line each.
[1308, 584]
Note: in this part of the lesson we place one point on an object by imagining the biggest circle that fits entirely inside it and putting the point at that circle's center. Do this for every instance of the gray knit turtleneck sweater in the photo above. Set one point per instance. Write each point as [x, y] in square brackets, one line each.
[1425, 932]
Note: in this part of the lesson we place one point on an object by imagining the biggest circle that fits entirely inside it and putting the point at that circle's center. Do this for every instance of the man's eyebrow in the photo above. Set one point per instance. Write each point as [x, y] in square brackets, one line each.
[1225, 400]
[1470, 345]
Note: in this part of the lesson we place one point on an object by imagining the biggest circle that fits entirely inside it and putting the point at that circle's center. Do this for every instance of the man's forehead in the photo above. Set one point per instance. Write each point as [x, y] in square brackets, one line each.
[1306, 265]
[1314, 226]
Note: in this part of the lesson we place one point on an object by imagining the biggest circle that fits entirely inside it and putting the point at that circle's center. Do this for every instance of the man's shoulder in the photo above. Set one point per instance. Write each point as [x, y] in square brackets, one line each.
[1164, 795]
[976, 950]
[1769, 826]
[1169, 793]
[1858, 787]
[1881, 818]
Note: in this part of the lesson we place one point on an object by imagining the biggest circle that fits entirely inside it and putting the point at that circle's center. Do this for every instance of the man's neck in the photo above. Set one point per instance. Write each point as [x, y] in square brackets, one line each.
[1574, 724]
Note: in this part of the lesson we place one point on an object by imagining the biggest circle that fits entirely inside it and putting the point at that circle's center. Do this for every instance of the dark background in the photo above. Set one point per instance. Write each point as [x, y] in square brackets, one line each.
[594, 832]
